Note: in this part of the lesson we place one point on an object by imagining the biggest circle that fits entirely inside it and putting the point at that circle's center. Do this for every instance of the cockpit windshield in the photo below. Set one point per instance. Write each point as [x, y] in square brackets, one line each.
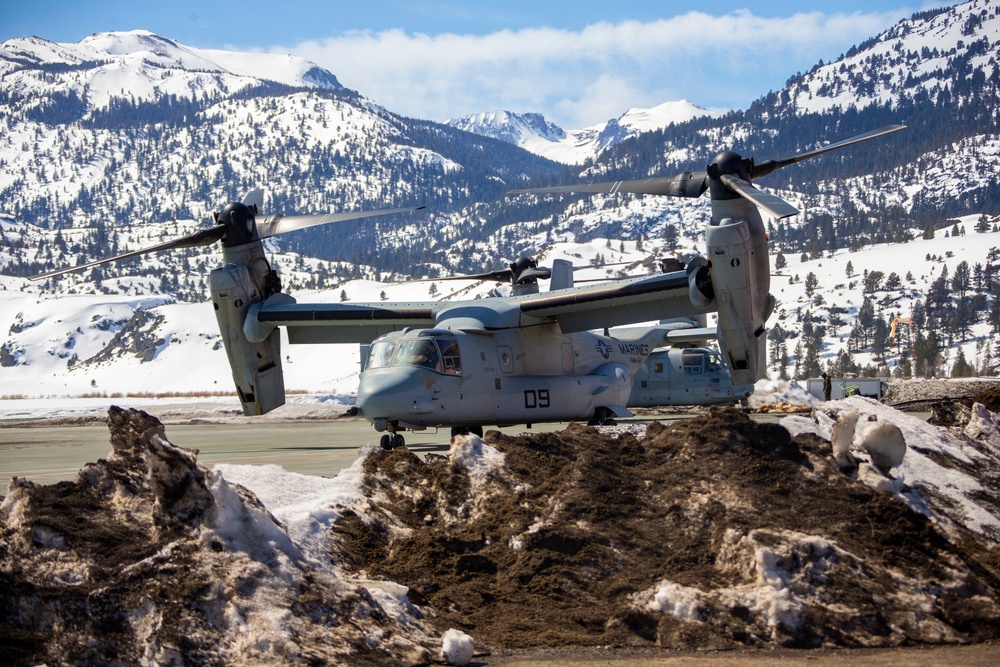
[694, 362]
[438, 353]
[421, 352]
[450, 358]
[380, 354]
[701, 362]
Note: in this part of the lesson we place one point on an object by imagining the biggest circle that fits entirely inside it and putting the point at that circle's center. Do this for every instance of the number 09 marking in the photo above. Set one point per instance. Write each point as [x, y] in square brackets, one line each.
[536, 398]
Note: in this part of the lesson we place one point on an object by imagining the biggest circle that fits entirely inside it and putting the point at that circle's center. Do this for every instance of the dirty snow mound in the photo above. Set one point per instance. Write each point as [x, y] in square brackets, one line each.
[147, 558]
[714, 532]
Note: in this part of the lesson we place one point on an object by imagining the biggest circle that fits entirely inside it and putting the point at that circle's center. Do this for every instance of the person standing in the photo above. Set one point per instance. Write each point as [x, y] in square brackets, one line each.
[827, 387]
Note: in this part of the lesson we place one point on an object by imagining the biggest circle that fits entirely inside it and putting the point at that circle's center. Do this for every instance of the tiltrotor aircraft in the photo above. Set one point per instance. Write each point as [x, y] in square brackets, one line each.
[529, 357]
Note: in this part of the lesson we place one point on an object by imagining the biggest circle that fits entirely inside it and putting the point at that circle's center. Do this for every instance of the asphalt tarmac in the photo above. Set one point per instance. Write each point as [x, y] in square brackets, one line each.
[48, 454]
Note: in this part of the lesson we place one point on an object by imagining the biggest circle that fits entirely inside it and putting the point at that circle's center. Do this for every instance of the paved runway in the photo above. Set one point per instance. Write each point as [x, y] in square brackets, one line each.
[50, 454]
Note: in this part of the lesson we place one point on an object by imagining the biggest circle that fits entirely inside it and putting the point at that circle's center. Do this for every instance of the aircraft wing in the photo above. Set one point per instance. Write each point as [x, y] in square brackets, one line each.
[614, 304]
[344, 322]
[698, 336]
[671, 335]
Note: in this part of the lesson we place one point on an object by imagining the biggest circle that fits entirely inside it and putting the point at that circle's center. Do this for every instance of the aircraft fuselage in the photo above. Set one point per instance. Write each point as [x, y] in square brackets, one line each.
[414, 379]
[438, 377]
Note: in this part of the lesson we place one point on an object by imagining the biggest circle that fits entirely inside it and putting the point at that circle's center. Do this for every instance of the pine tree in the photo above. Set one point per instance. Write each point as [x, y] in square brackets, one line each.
[960, 281]
[811, 284]
[670, 237]
[962, 368]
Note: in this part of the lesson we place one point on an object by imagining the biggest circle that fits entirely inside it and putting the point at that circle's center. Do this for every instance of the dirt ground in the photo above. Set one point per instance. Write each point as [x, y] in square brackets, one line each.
[565, 547]
[976, 655]
[714, 540]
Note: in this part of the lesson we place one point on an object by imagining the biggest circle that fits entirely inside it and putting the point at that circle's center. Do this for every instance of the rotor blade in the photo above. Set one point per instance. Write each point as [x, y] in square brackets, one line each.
[254, 198]
[282, 224]
[534, 273]
[776, 206]
[769, 166]
[199, 238]
[689, 184]
[501, 275]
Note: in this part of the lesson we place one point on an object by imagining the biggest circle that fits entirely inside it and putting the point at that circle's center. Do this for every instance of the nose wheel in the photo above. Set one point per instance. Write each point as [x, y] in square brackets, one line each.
[391, 441]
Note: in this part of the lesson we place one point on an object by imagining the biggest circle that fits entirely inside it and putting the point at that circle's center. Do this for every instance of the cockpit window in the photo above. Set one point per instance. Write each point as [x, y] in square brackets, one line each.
[713, 363]
[439, 353]
[694, 363]
[421, 352]
[380, 354]
[450, 358]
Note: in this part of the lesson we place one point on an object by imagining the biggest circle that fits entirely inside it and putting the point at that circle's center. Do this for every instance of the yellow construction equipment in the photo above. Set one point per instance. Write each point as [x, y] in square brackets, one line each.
[896, 321]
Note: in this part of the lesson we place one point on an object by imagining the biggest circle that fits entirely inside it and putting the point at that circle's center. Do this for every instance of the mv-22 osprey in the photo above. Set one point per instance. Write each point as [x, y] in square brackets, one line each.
[529, 357]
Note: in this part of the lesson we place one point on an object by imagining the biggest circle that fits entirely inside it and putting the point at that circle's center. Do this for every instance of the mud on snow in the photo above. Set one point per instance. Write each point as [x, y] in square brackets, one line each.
[715, 532]
[710, 533]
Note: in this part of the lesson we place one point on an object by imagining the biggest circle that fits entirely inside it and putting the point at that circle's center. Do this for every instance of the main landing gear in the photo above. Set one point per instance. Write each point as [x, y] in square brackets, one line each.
[602, 417]
[466, 430]
[391, 441]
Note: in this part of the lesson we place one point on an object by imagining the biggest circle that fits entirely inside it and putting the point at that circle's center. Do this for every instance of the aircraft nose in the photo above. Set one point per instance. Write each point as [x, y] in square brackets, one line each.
[391, 393]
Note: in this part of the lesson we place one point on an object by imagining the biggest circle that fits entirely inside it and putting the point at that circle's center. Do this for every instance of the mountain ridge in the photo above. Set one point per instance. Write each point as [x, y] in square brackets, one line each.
[83, 186]
[534, 133]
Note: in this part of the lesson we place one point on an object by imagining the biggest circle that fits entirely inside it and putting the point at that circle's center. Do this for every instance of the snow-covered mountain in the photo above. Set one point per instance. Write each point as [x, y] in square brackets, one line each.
[532, 132]
[143, 66]
[926, 55]
[126, 128]
[81, 182]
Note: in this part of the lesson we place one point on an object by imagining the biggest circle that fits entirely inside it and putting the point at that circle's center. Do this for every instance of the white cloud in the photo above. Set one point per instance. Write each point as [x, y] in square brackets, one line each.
[580, 78]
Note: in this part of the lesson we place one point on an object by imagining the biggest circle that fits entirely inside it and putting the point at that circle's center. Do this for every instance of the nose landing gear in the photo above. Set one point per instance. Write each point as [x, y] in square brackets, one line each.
[391, 440]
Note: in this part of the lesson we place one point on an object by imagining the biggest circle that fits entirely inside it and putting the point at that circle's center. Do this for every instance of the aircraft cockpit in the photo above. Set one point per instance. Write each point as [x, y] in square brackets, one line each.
[430, 349]
[700, 361]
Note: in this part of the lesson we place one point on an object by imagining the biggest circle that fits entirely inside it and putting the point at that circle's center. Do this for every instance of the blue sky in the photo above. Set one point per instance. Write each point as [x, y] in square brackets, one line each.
[579, 62]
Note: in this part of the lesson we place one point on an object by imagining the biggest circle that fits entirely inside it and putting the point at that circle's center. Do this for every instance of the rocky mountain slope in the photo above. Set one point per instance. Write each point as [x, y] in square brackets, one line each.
[126, 129]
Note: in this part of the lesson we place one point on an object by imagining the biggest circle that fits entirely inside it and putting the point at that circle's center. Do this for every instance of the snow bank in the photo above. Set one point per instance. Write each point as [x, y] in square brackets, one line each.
[306, 505]
[768, 392]
[936, 475]
[476, 457]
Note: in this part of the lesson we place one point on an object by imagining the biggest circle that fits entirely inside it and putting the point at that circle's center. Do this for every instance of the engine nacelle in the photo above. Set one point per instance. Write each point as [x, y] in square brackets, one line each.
[256, 366]
[700, 289]
[741, 296]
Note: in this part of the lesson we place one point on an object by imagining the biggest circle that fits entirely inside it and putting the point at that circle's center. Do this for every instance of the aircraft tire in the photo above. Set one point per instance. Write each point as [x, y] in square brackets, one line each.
[397, 441]
[602, 417]
[385, 442]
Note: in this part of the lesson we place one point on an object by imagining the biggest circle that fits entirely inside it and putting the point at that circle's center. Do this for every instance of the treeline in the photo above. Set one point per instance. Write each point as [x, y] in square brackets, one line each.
[919, 337]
